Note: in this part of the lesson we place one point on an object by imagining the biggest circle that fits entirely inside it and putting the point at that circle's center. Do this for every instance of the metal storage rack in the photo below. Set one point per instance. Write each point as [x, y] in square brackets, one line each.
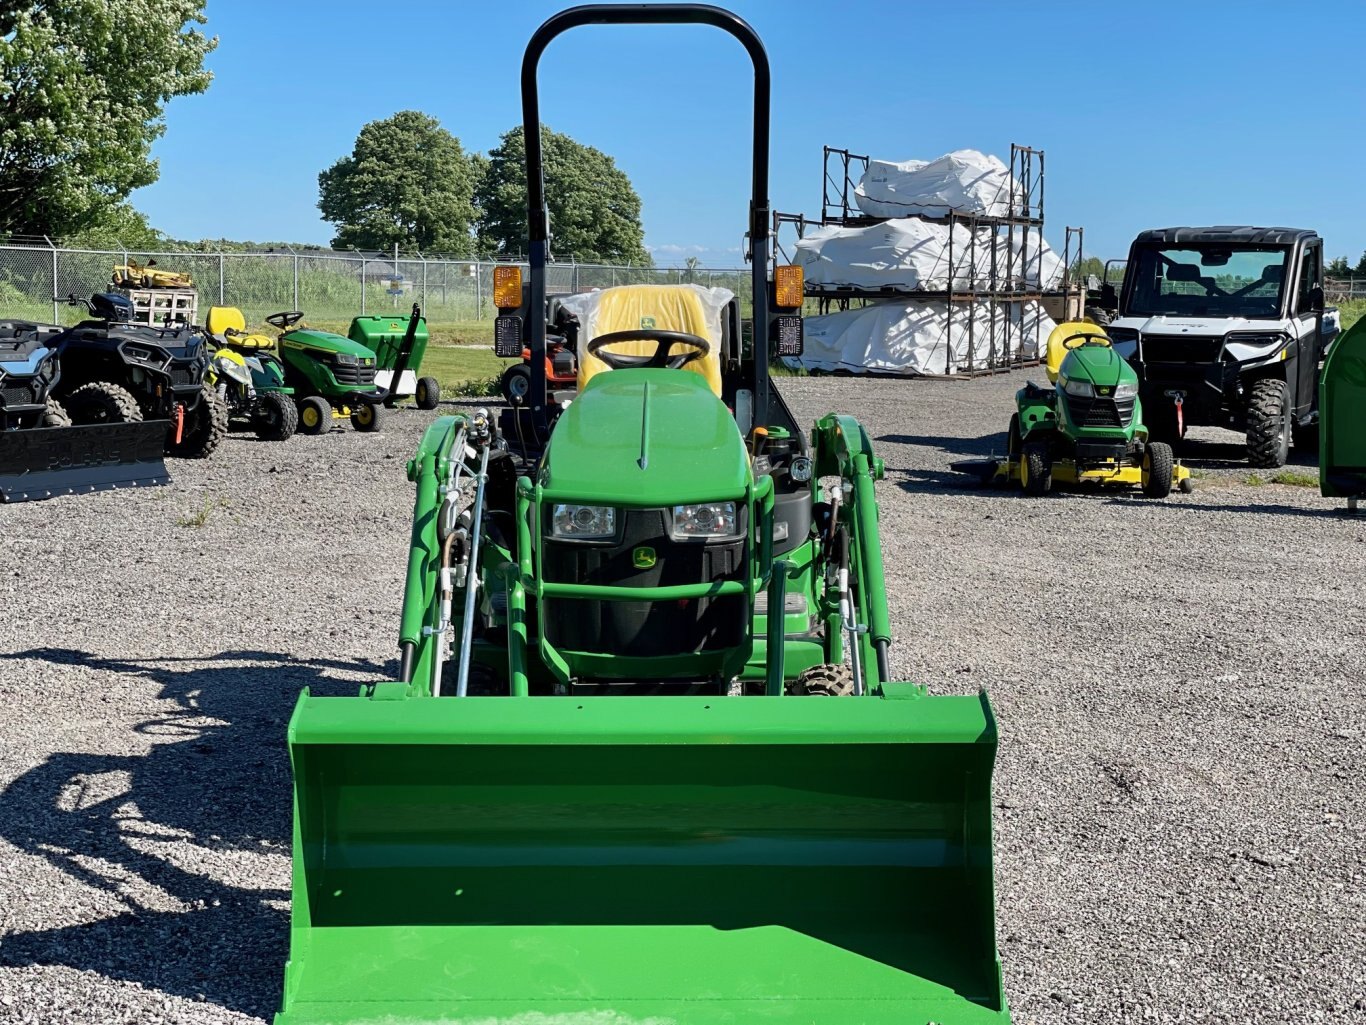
[159, 306]
[991, 274]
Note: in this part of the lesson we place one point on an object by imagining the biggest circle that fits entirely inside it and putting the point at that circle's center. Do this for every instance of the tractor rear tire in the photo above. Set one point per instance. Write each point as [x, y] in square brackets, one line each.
[515, 384]
[365, 417]
[828, 680]
[205, 427]
[54, 415]
[103, 403]
[1157, 470]
[277, 418]
[1268, 424]
[1037, 469]
[315, 415]
[427, 394]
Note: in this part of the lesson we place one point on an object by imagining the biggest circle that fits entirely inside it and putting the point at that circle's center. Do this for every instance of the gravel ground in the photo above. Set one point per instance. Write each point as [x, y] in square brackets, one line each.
[1180, 832]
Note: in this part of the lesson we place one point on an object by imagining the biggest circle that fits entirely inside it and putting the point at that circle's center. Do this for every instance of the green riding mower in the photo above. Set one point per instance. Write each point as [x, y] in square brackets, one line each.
[643, 758]
[1086, 429]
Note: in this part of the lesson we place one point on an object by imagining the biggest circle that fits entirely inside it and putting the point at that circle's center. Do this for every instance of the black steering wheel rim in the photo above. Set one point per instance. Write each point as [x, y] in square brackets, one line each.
[285, 320]
[1084, 339]
[661, 359]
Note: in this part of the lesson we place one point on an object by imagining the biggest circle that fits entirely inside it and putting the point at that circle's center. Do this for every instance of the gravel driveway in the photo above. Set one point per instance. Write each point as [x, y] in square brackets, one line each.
[1180, 830]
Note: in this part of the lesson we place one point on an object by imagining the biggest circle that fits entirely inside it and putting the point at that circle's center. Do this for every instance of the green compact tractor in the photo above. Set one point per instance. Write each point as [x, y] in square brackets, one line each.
[607, 781]
[1088, 428]
[1342, 397]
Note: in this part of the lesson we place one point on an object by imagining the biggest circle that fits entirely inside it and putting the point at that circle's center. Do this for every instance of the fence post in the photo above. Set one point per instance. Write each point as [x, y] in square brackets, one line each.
[296, 279]
[362, 285]
[424, 283]
[222, 293]
[56, 316]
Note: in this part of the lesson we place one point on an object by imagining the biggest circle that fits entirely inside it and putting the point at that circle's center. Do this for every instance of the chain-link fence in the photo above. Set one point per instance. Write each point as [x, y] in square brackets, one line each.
[35, 280]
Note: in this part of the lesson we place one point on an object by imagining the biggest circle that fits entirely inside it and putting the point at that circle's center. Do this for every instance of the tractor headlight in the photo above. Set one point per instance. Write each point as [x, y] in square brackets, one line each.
[710, 519]
[1126, 390]
[1081, 389]
[583, 522]
[344, 359]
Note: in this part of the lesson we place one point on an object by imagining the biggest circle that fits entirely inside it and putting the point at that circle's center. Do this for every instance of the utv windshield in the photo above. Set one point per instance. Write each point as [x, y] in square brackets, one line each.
[1209, 281]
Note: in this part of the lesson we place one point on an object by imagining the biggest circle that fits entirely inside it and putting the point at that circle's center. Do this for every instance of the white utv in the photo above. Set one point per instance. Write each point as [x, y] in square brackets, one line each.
[1226, 327]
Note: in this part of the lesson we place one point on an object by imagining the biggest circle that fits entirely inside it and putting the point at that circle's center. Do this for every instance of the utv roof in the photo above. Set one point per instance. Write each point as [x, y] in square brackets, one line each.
[1228, 233]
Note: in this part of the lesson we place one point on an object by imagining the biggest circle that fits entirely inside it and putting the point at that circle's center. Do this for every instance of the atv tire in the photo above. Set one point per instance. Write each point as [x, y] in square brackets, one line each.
[830, 681]
[205, 427]
[277, 418]
[427, 394]
[515, 384]
[1157, 470]
[1268, 424]
[103, 403]
[365, 418]
[1037, 469]
[315, 415]
[54, 415]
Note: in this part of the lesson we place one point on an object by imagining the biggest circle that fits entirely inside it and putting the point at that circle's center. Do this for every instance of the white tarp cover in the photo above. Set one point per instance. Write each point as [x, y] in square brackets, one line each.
[907, 253]
[964, 180]
[918, 338]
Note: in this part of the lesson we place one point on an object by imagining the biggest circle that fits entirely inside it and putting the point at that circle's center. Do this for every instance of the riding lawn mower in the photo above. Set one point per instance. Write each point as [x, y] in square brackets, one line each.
[248, 376]
[1086, 429]
[643, 757]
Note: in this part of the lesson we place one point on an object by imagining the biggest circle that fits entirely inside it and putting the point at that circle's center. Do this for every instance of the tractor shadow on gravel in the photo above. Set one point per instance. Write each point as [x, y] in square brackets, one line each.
[180, 836]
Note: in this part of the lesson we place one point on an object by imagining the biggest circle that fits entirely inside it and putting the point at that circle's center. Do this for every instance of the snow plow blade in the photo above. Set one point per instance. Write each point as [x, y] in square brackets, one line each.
[48, 461]
[1342, 422]
[619, 861]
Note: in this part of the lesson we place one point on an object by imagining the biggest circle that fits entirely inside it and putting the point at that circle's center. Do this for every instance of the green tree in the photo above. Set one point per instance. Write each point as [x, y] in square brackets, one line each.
[83, 85]
[1337, 268]
[594, 210]
[406, 182]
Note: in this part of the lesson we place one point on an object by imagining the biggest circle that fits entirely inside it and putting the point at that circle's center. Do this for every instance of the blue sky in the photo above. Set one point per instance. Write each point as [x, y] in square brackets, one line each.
[1150, 114]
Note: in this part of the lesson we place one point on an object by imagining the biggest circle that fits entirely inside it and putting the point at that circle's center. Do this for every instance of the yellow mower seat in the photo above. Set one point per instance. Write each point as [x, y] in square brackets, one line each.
[661, 307]
[1055, 351]
[222, 319]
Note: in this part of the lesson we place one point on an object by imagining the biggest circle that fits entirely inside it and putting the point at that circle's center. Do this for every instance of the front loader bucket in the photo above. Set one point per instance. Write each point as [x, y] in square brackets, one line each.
[1342, 417]
[658, 861]
[48, 461]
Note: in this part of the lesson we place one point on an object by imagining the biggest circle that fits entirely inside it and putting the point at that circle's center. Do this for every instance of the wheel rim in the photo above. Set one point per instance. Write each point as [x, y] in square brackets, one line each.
[365, 415]
[310, 417]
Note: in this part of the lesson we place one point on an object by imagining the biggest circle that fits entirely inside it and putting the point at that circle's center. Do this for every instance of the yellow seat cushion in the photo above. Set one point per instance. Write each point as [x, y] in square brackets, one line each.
[1056, 351]
[222, 319]
[658, 307]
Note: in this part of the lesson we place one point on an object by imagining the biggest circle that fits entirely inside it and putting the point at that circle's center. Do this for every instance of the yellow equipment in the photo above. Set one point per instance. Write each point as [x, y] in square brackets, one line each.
[140, 275]
[653, 307]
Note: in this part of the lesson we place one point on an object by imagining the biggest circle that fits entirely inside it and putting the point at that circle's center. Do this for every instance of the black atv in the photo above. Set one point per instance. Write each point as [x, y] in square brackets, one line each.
[28, 372]
[114, 371]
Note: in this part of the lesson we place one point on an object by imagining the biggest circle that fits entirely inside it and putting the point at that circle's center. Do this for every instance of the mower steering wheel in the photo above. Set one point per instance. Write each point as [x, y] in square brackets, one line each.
[662, 358]
[1077, 341]
[284, 321]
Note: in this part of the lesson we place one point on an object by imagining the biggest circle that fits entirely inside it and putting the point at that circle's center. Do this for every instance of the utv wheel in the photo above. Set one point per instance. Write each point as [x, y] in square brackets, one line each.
[54, 415]
[428, 393]
[365, 418]
[1157, 470]
[277, 418]
[206, 425]
[515, 383]
[102, 403]
[315, 415]
[1268, 424]
[830, 681]
[1036, 469]
[1305, 437]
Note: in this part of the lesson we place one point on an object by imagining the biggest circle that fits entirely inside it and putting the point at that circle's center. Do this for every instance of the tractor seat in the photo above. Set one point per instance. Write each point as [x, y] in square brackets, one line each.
[689, 308]
[225, 325]
[1056, 351]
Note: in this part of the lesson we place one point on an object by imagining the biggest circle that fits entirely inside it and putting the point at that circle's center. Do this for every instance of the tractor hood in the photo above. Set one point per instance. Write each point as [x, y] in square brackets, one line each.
[654, 437]
[1099, 364]
[325, 341]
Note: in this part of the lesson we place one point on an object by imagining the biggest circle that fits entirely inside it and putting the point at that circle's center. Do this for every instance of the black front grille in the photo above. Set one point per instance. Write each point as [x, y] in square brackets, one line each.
[1100, 411]
[181, 374]
[1181, 349]
[16, 393]
[645, 628]
[353, 373]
